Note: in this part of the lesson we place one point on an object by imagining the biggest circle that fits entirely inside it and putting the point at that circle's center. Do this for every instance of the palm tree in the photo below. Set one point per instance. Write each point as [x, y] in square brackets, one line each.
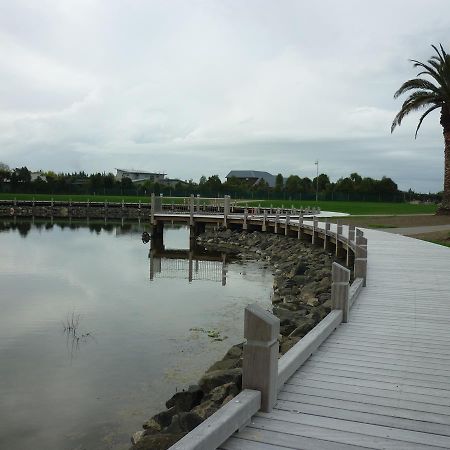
[431, 95]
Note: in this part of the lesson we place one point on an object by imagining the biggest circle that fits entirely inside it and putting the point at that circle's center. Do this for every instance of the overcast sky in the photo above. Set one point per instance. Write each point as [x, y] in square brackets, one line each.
[202, 87]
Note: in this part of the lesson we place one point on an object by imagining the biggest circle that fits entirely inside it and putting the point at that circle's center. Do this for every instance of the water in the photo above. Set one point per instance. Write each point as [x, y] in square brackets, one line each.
[133, 346]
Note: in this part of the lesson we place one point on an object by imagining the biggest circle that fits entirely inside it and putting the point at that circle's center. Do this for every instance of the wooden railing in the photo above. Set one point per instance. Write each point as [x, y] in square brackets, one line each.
[263, 374]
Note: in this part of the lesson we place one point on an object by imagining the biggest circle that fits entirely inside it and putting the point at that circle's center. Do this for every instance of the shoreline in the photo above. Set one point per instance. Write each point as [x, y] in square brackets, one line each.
[301, 298]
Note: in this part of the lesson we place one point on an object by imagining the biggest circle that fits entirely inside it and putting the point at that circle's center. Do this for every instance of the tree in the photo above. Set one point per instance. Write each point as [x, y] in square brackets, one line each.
[279, 183]
[431, 95]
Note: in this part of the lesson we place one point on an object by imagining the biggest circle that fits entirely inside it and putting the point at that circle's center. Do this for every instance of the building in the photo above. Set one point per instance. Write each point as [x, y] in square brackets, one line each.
[139, 176]
[253, 177]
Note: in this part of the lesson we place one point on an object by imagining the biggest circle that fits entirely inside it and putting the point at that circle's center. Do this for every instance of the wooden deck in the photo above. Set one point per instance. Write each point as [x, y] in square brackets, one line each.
[382, 380]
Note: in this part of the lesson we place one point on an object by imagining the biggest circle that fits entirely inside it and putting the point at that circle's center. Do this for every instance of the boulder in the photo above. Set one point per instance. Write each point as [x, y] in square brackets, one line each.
[218, 377]
[186, 400]
[157, 441]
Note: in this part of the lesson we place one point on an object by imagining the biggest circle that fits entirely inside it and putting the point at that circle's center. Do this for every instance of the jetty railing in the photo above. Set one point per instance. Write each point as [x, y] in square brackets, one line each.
[263, 374]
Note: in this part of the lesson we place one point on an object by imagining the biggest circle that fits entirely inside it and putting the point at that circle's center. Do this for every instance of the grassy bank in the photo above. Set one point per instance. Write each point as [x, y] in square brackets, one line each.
[354, 208]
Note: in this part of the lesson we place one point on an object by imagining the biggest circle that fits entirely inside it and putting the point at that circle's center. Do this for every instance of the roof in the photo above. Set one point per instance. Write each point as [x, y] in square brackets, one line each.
[140, 171]
[266, 176]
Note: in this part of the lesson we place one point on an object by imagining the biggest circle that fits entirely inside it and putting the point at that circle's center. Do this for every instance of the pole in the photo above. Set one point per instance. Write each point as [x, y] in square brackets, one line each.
[317, 180]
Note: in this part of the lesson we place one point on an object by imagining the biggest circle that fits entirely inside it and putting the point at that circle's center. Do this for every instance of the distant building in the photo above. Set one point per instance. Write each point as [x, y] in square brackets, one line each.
[38, 176]
[139, 176]
[253, 177]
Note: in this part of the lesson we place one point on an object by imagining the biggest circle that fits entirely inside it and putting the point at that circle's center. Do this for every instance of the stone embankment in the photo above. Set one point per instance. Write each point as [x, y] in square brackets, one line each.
[301, 298]
[96, 210]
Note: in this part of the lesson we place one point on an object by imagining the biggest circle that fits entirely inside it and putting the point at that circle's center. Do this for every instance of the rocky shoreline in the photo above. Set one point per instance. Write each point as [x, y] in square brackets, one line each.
[301, 299]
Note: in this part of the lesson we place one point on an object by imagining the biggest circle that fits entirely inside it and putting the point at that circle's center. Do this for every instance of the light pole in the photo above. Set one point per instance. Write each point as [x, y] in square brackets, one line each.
[317, 180]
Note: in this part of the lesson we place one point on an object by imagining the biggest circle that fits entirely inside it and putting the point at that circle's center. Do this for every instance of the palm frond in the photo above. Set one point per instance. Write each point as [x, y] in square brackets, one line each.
[416, 83]
[425, 114]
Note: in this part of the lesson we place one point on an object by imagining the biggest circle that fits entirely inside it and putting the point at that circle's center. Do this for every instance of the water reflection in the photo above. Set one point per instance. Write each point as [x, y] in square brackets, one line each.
[195, 263]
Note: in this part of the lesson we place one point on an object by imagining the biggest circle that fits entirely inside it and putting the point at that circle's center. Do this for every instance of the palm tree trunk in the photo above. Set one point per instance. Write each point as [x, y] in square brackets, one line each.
[444, 208]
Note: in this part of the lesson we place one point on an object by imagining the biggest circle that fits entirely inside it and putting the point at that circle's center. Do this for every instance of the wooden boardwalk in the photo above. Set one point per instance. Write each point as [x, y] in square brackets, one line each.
[382, 380]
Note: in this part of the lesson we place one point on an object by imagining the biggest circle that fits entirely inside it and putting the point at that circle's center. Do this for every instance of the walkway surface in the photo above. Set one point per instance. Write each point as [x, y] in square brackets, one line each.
[383, 379]
[409, 231]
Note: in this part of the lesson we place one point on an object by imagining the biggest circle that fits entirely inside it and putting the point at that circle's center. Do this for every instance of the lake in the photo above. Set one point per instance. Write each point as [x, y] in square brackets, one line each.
[97, 331]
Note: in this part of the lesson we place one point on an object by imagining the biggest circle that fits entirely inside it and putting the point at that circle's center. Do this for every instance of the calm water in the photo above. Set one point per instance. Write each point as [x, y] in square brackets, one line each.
[133, 346]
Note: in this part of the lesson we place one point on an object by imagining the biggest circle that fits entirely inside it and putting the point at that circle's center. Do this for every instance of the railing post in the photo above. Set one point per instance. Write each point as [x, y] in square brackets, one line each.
[325, 235]
[338, 242]
[360, 267]
[277, 219]
[152, 209]
[314, 230]
[260, 359]
[264, 228]
[300, 225]
[351, 232]
[191, 210]
[226, 209]
[197, 206]
[340, 278]
[287, 221]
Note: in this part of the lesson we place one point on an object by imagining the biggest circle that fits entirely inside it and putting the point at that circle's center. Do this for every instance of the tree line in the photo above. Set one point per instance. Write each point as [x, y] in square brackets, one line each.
[293, 187]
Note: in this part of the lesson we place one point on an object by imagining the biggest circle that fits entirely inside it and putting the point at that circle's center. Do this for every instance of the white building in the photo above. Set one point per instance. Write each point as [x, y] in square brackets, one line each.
[139, 176]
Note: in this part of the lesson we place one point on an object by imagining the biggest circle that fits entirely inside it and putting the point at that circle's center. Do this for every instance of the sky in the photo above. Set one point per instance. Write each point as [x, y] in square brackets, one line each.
[197, 88]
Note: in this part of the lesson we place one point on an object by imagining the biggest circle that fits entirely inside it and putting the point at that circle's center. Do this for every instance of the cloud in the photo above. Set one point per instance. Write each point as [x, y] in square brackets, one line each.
[196, 87]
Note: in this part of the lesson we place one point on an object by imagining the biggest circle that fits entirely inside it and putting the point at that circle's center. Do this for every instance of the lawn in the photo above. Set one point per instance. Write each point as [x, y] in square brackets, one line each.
[353, 208]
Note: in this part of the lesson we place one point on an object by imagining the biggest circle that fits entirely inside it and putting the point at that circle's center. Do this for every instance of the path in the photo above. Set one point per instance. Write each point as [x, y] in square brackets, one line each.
[383, 379]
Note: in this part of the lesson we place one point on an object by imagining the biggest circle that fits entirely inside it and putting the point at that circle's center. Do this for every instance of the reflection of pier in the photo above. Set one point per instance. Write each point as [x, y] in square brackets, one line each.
[193, 264]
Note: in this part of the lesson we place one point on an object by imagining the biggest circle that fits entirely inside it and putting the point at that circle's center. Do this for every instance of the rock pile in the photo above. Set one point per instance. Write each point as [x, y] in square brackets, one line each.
[301, 298]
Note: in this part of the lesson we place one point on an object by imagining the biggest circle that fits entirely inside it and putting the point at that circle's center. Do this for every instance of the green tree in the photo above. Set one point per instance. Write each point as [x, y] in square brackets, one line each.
[279, 183]
[434, 94]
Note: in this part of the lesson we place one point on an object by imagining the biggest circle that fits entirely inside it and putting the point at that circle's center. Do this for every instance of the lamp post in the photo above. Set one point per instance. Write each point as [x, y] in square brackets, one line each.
[317, 180]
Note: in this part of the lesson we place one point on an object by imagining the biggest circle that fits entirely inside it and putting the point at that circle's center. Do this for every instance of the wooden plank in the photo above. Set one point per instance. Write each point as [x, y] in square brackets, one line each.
[363, 382]
[364, 417]
[222, 424]
[369, 399]
[350, 405]
[255, 439]
[343, 437]
[367, 429]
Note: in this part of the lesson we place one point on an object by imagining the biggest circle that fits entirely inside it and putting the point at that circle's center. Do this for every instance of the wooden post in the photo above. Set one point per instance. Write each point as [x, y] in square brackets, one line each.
[260, 360]
[340, 278]
[264, 228]
[314, 231]
[300, 226]
[244, 226]
[326, 234]
[226, 209]
[277, 218]
[152, 209]
[338, 233]
[351, 232]
[360, 266]
[191, 210]
[287, 221]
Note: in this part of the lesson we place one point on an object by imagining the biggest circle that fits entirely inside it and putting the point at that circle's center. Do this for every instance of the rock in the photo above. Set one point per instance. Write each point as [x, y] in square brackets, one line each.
[234, 352]
[136, 437]
[287, 343]
[213, 379]
[162, 419]
[184, 422]
[225, 364]
[218, 394]
[304, 328]
[157, 441]
[186, 400]
[206, 409]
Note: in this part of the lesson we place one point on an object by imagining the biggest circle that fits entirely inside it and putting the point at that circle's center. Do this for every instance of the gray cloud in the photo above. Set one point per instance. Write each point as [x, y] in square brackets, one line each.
[198, 87]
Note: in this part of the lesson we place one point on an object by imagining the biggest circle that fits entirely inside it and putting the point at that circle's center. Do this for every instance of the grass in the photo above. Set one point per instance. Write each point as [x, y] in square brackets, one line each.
[84, 198]
[353, 208]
